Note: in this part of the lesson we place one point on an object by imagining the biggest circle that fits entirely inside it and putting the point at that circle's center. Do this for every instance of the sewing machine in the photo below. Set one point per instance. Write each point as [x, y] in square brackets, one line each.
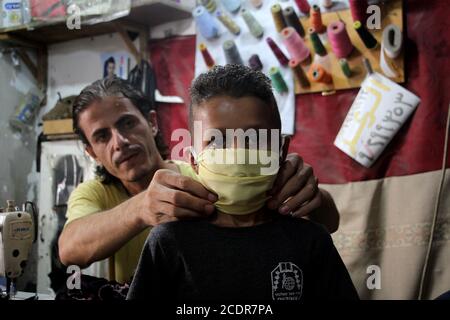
[17, 234]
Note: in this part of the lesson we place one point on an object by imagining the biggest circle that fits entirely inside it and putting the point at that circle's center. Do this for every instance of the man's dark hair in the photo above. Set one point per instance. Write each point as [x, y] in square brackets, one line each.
[235, 81]
[112, 87]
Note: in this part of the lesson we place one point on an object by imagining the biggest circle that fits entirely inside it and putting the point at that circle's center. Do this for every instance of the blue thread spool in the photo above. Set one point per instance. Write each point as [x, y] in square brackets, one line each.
[232, 5]
[205, 22]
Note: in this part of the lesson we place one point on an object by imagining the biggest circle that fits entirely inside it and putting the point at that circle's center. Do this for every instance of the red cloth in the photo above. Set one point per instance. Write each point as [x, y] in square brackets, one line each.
[417, 147]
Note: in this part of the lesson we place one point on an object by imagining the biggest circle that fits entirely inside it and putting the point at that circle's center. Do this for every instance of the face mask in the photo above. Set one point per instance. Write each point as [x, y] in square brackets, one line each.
[240, 177]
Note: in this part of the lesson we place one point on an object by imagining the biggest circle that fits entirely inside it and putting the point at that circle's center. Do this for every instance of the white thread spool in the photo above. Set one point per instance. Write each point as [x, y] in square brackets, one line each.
[327, 3]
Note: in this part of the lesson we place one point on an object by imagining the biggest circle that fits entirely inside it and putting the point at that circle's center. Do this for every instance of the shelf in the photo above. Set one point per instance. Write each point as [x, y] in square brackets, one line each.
[143, 14]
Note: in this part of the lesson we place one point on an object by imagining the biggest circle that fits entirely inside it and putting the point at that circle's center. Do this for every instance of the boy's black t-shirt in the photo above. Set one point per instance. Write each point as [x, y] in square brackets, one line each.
[286, 259]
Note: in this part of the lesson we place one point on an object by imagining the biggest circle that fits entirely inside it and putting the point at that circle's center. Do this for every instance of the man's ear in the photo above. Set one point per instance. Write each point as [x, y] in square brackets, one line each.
[153, 120]
[91, 152]
[285, 148]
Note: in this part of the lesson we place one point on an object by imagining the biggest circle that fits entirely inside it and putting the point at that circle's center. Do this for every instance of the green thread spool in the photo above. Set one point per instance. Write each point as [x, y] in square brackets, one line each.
[228, 22]
[345, 67]
[255, 28]
[317, 43]
[369, 40]
[277, 80]
[278, 18]
[210, 5]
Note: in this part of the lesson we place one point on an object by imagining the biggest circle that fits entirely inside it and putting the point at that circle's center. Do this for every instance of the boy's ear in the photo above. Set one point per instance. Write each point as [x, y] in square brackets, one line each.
[285, 148]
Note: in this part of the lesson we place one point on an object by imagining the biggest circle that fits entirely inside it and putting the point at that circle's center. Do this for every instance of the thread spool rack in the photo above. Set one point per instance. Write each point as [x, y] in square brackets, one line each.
[391, 12]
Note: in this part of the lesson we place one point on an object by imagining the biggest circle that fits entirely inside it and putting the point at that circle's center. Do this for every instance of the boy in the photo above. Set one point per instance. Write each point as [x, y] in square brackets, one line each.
[244, 251]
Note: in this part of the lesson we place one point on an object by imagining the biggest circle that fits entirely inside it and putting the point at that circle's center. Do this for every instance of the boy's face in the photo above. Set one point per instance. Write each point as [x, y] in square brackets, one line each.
[225, 112]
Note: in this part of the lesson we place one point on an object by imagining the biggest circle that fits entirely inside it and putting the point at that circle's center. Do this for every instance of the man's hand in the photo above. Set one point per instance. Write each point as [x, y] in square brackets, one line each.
[296, 192]
[171, 196]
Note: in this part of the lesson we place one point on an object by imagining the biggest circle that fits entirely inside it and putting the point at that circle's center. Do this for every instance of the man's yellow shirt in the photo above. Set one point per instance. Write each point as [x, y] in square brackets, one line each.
[91, 197]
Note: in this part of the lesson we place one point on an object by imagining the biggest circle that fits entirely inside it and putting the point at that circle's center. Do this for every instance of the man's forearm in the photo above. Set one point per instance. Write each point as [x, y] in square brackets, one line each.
[327, 214]
[100, 235]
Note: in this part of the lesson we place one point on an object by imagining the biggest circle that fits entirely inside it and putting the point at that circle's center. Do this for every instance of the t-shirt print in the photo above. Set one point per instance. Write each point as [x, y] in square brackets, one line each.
[287, 282]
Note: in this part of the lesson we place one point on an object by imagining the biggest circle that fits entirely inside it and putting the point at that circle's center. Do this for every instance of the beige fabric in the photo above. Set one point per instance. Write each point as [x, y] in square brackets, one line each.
[387, 223]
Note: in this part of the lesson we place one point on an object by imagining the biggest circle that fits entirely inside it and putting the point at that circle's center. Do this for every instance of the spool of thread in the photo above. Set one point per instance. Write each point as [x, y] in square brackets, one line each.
[292, 20]
[358, 9]
[318, 74]
[278, 82]
[255, 28]
[277, 17]
[299, 73]
[206, 24]
[327, 3]
[317, 43]
[294, 44]
[228, 22]
[232, 55]
[232, 6]
[345, 67]
[282, 59]
[256, 3]
[209, 61]
[369, 40]
[255, 63]
[391, 45]
[316, 19]
[339, 39]
[210, 5]
[303, 6]
[367, 66]
[392, 41]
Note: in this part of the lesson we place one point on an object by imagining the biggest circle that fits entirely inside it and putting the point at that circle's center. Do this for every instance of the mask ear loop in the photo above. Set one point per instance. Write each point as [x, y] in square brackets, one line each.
[285, 140]
[194, 154]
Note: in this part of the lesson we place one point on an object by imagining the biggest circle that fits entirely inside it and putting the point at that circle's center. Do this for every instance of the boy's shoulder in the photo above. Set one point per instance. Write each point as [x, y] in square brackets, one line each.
[304, 225]
[169, 231]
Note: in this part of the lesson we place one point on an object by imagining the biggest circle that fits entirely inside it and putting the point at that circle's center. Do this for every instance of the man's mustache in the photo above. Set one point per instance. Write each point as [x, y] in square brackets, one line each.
[126, 153]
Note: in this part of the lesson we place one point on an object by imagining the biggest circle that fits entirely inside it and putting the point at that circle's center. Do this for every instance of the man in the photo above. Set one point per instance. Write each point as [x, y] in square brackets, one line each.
[245, 251]
[111, 218]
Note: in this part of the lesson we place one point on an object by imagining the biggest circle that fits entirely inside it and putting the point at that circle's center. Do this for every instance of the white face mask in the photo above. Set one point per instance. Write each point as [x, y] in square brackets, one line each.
[240, 177]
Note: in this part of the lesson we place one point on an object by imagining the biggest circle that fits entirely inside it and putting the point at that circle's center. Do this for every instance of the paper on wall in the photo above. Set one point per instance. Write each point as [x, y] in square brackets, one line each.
[378, 112]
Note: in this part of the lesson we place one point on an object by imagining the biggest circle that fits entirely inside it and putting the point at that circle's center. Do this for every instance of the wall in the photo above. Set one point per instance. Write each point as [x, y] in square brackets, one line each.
[72, 66]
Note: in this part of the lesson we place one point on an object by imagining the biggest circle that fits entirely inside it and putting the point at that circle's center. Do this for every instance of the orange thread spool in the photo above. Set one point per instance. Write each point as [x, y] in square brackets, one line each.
[318, 74]
[316, 19]
[209, 61]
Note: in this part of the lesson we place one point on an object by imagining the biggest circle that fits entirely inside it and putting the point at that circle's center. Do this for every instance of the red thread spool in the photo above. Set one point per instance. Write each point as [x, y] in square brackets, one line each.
[339, 39]
[294, 44]
[209, 61]
[316, 19]
[358, 9]
[318, 74]
[282, 59]
[303, 6]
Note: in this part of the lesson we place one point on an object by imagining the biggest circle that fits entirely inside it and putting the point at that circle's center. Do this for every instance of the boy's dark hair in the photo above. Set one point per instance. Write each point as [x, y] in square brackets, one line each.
[236, 81]
[110, 87]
